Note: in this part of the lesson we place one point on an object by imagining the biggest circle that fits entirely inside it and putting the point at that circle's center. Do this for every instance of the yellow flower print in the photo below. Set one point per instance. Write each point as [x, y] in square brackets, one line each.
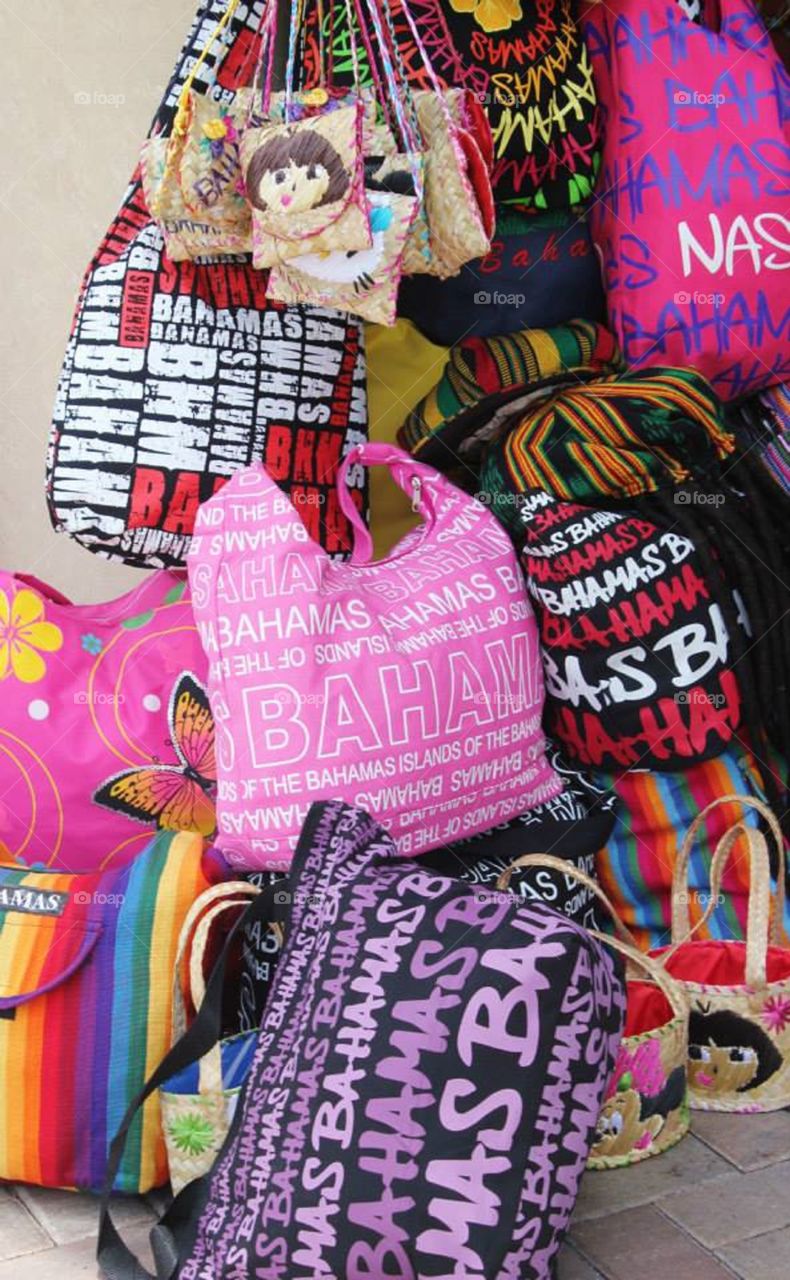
[23, 630]
[491, 15]
[215, 129]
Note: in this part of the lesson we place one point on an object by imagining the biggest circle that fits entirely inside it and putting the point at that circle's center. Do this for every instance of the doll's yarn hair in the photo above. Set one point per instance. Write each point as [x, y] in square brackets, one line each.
[304, 148]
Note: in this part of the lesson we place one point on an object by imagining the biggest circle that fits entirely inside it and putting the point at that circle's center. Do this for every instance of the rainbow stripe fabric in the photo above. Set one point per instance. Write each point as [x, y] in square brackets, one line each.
[86, 979]
[656, 809]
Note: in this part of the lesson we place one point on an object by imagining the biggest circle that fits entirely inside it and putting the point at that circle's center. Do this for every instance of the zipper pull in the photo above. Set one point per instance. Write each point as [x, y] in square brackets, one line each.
[416, 494]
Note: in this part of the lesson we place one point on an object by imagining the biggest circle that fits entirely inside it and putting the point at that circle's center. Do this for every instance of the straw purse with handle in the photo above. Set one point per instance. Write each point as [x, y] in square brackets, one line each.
[198, 1103]
[739, 992]
[645, 1109]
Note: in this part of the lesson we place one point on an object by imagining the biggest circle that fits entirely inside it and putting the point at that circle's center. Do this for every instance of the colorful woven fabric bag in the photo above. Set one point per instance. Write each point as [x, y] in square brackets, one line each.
[691, 209]
[739, 991]
[86, 978]
[105, 729]
[637, 863]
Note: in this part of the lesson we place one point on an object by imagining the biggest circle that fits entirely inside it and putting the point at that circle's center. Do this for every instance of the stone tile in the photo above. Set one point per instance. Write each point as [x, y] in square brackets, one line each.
[748, 1142]
[71, 1261]
[641, 1244]
[69, 1215]
[689, 1163]
[740, 1206]
[571, 1266]
[19, 1233]
[761, 1258]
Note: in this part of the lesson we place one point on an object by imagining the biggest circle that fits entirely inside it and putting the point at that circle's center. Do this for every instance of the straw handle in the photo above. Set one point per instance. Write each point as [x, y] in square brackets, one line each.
[658, 974]
[625, 944]
[574, 873]
[681, 920]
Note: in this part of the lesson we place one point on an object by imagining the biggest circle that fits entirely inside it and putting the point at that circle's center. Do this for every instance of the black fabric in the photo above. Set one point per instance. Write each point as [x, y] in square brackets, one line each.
[420, 1055]
[540, 271]
[575, 826]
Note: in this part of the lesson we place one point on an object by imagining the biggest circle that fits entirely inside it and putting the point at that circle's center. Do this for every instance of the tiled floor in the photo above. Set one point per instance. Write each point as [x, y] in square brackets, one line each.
[716, 1206]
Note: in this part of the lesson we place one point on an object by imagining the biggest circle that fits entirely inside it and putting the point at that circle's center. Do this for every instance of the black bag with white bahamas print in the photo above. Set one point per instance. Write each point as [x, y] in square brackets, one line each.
[178, 374]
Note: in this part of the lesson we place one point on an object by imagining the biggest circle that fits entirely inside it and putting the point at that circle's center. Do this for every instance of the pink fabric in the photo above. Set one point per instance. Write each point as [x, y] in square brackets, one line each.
[690, 214]
[410, 686]
[85, 693]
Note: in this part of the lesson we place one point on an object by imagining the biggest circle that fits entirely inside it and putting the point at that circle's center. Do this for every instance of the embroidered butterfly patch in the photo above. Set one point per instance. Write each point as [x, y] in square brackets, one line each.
[176, 797]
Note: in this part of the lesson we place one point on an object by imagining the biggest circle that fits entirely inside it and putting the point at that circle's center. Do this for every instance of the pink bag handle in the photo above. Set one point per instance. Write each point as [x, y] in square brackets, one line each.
[43, 588]
[408, 474]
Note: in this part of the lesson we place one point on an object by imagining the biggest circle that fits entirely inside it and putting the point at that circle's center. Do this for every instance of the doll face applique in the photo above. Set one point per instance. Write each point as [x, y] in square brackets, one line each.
[721, 1069]
[728, 1054]
[295, 173]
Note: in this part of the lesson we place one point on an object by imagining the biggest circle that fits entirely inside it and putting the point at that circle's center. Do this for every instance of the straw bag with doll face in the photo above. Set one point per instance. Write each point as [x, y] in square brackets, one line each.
[645, 1109]
[739, 992]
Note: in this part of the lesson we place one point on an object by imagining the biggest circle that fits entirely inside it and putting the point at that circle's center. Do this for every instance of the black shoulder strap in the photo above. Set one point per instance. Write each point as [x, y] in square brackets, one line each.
[116, 1260]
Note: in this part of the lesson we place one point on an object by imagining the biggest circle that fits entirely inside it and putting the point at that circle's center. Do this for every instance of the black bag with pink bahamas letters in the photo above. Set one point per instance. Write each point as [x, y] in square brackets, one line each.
[425, 1087]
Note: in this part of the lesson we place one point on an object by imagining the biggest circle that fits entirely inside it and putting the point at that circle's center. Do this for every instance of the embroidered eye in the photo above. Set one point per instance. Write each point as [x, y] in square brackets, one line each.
[742, 1055]
[315, 171]
[698, 1053]
[616, 1123]
[280, 175]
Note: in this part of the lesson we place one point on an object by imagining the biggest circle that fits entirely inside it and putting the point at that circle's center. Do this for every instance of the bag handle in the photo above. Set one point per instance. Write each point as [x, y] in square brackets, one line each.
[681, 919]
[574, 873]
[114, 1256]
[92, 934]
[209, 907]
[43, 588]
[408, 474]
[625, 944]
[758, 920]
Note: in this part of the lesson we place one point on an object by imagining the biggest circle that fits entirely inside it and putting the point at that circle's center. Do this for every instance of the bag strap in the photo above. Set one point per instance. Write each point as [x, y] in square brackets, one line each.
[410, 476]
[116, 1260]
[625, 944]
[574, 873]
[681, 892]
[181, 121]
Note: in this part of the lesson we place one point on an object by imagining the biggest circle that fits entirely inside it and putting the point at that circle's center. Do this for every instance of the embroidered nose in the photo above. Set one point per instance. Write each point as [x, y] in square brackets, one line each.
[285, 201]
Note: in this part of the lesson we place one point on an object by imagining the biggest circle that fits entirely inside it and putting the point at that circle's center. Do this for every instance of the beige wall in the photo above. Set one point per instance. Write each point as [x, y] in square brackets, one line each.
[82, 80]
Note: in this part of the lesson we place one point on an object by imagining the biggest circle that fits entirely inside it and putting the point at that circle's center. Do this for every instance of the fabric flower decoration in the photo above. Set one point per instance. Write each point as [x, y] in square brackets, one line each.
[192, 1133]
[215, 129]
[91, 643]
[491, 15]
[775, 1014]
[23, 632]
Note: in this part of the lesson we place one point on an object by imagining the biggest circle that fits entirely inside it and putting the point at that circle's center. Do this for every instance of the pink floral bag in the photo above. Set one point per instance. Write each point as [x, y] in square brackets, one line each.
[410, 685]
[105, 730]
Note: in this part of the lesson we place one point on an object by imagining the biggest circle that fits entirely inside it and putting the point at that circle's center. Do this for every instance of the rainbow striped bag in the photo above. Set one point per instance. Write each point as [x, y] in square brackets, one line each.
[86, 985]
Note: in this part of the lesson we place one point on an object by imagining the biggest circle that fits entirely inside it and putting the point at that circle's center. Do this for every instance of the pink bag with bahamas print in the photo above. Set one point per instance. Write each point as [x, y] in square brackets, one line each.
[105, 730]
[692, 210]
[410, 685]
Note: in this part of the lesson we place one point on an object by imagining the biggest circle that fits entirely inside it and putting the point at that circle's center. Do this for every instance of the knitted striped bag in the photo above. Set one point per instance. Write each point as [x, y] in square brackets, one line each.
[86, 975]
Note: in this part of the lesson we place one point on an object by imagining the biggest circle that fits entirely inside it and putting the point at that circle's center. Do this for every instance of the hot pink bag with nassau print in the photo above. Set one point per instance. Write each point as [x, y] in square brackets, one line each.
[105, 729]
[411, 685]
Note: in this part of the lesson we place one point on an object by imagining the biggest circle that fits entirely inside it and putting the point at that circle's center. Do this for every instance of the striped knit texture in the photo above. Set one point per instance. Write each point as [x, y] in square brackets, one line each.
[635, 866]
[72, 1059]
[487, 369]
[613, 440]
